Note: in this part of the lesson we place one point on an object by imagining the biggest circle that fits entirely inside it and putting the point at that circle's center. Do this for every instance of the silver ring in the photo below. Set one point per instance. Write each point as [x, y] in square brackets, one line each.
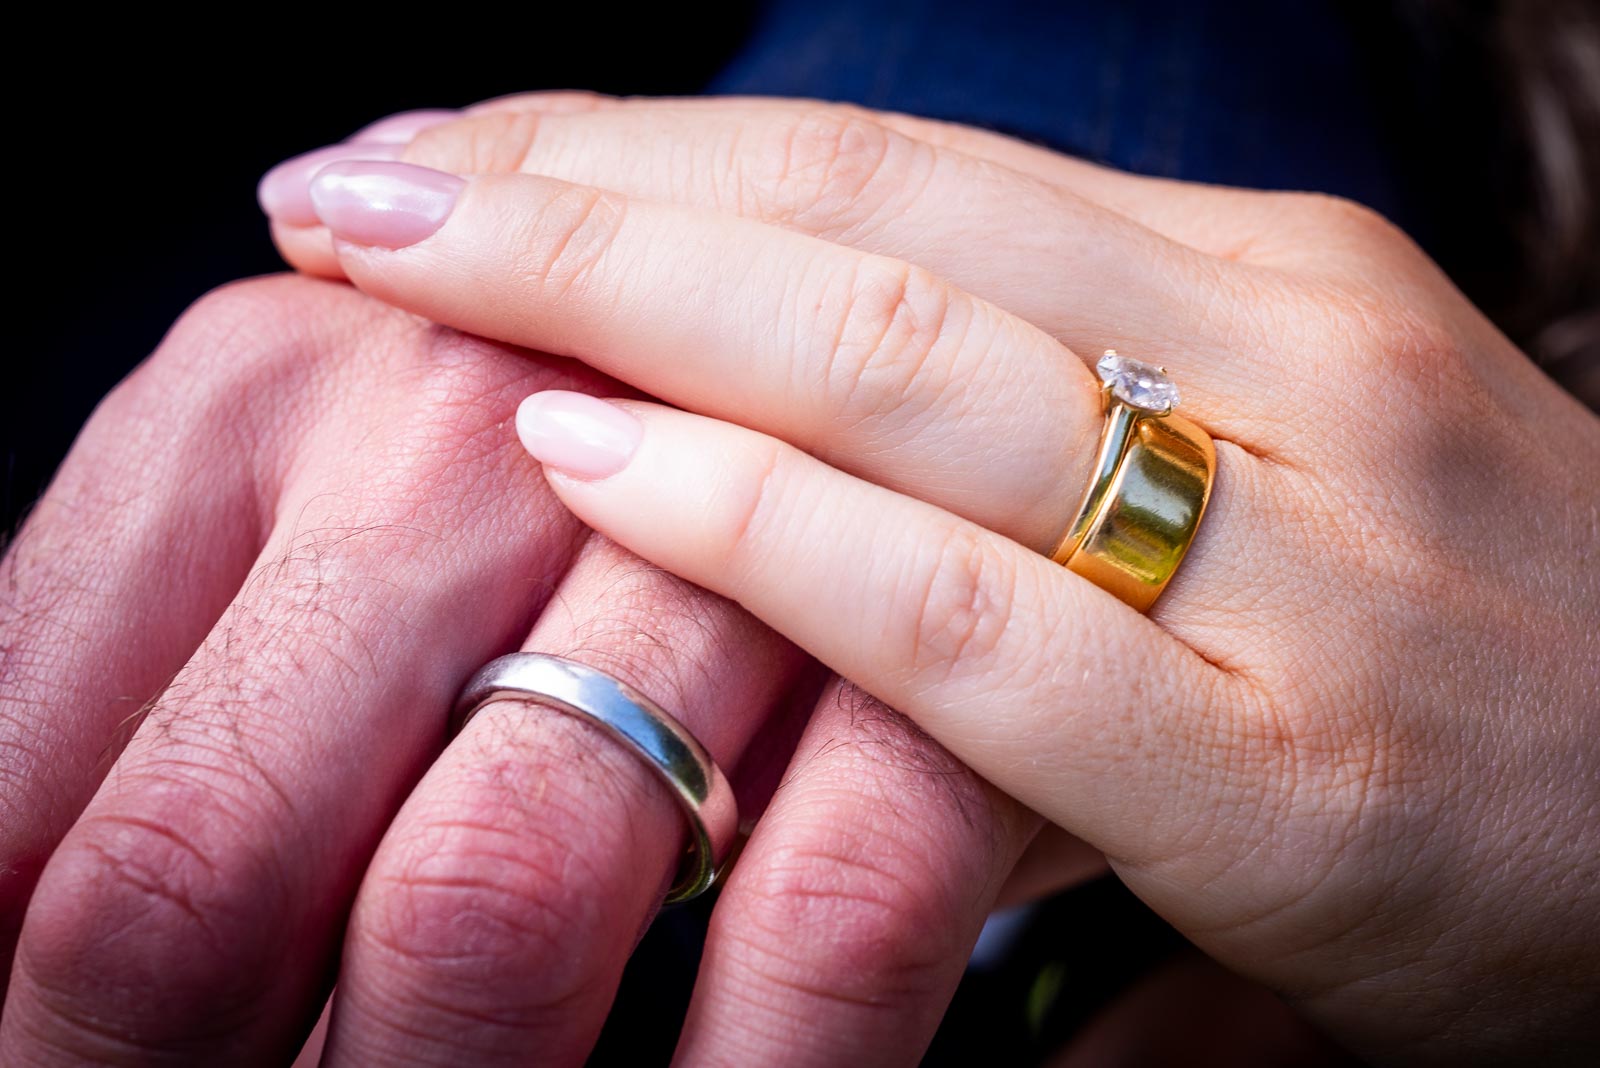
[666, 748]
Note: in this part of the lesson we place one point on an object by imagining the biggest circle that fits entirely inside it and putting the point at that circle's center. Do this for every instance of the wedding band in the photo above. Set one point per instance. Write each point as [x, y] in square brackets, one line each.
[659, 740]
[1152, 478]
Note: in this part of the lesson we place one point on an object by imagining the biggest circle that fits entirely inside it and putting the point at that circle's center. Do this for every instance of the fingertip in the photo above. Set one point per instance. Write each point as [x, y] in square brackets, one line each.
[577, 435]
[284, 192]
[383, 204]
[308, 249]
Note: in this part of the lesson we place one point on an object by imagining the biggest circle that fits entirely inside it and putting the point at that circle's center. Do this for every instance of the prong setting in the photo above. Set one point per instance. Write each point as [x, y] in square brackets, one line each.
[1141, 386]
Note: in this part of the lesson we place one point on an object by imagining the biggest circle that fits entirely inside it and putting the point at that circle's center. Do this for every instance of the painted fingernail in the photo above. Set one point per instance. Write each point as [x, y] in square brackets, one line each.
[401, 127]
[389, 205]
[285, 191]
[577, 434]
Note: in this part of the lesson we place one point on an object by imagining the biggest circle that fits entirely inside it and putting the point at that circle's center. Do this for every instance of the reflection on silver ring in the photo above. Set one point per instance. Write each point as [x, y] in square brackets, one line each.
[666, 748]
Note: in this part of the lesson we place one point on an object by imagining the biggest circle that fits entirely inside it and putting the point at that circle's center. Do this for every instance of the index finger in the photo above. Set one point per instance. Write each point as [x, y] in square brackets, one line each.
[1043, 683]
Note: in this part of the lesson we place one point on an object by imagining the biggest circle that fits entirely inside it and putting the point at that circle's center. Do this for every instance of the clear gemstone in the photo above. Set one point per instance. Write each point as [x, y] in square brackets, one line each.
[1138, 385]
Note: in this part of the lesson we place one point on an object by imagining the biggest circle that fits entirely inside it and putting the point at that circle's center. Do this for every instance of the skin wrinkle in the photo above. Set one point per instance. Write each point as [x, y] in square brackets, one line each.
[472, 911]
[856, 873]
[338, 636]
[963, 607]
[1344, 748]
[96, 492]
[855, 968]
[831, 162]
[232, 972]
[109, 1046]
[585, 236]
[765, 990]
[892, 326]
[622, 613]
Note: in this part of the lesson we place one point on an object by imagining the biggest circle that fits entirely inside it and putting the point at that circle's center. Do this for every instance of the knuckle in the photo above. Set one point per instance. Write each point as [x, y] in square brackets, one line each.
[154, 919]
[1376, 340]
[549, 100]
[237, 361]
[890, 925]
[241, 325]
[251, 305]
[249, 360]
[893, 324]
[576, 227]
[740, 534]
[1346, 220]
[1415, 346]
[833, 169]
[959, 610]
[498, 142]
[500, 892]
[1354, 244]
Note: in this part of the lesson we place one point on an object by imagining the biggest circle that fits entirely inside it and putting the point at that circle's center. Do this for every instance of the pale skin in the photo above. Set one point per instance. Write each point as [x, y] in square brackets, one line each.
[1350, 753]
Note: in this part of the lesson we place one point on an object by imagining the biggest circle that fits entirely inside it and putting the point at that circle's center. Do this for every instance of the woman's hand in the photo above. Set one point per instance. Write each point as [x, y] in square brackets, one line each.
[1353, 750]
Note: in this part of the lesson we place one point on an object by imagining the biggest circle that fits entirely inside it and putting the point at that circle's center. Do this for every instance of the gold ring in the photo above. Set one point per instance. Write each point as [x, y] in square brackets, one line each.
[1151, 481]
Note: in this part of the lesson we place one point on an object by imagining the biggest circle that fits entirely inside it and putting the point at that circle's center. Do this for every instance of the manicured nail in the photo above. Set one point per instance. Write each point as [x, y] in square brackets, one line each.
[390, 205]
[285, 190]
[577, 434]
[401, 127]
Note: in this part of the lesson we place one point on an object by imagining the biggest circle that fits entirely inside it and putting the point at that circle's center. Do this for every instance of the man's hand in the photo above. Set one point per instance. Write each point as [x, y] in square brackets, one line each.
[229, 638]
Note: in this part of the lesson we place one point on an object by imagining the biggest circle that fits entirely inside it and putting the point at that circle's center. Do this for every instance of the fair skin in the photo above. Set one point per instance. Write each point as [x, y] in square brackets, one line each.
[1399, 861]
[1350, 753]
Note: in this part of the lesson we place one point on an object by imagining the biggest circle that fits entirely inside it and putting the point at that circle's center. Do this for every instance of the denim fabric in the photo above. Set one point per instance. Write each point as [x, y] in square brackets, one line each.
[1262, 93]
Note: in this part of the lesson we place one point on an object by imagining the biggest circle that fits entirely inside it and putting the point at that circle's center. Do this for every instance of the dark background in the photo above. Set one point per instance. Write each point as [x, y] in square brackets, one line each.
[135, 141]
[136, 146]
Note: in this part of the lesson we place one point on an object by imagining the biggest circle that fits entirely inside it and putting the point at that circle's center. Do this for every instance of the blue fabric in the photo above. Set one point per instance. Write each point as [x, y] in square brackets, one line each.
[1263, 94]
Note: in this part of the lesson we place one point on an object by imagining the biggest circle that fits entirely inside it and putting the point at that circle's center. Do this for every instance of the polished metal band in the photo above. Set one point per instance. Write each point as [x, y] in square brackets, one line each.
[1150, 486]
[660, 741]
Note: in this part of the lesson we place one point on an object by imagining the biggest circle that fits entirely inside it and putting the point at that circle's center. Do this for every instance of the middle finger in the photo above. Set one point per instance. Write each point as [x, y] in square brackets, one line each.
[1028, 242]
[877, 366]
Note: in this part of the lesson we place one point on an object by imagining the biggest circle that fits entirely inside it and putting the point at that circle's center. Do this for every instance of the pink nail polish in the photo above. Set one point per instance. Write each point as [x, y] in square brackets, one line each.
[389, 205]
[577, 434]
[285, 191]
[401, 127]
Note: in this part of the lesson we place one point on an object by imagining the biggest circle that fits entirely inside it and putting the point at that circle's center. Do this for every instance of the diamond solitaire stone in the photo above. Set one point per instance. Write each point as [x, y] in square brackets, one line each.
[1138, 385]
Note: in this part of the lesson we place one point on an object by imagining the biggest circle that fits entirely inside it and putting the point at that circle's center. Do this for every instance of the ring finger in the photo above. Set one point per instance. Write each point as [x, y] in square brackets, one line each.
[503, 903]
